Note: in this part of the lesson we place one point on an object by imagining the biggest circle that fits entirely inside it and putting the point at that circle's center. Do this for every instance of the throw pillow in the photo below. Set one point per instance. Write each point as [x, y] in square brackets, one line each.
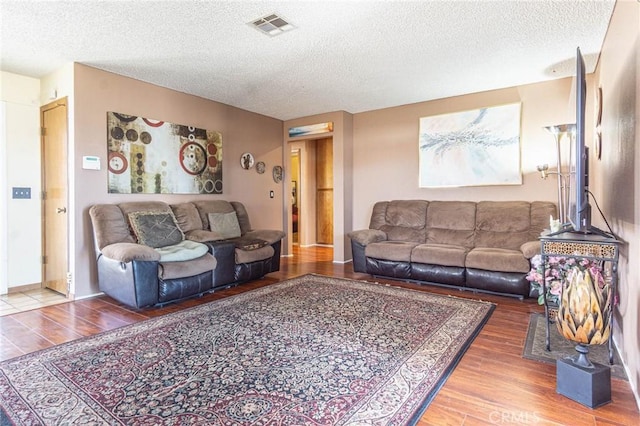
[155, 229]
[225, 224]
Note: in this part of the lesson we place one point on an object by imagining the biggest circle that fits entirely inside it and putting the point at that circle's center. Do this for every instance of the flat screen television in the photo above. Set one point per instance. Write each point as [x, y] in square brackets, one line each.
[579, 207]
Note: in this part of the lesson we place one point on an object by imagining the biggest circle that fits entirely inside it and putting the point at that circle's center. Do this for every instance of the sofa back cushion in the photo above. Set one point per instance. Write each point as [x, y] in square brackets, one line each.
[401, 220]
[243, 217]
[503, 224]
[187, 216]
[451, 222]
[109, 225]
[540, 212]
[212, 206]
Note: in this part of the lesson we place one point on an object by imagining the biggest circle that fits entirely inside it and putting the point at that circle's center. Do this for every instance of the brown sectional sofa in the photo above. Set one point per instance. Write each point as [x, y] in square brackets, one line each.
[153, 253]
[483, 246]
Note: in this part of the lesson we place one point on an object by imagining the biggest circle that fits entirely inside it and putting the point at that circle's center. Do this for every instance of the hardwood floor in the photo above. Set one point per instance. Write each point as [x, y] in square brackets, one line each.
[492, 384]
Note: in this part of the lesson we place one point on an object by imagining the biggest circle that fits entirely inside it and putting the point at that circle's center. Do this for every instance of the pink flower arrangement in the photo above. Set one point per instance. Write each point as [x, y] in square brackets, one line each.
[556, 271]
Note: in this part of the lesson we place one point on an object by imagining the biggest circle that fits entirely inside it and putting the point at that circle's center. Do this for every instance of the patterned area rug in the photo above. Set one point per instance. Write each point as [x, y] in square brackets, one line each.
[534, 347]
[308, 351]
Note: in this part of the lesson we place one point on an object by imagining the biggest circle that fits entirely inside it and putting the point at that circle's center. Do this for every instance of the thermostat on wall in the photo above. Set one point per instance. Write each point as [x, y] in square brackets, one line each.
[91, 162]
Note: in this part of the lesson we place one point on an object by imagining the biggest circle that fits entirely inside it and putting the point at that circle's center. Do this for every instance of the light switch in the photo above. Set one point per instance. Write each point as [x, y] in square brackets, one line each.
[271, 194]
[21, 192]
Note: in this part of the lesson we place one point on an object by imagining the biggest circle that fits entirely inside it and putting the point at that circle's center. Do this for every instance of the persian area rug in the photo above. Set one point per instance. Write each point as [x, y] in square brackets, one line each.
[534, 347]
[312, 350]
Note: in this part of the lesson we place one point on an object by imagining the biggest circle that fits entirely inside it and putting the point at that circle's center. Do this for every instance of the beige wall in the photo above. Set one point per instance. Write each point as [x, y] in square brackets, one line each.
[97, 92]
[385, 155]
[615, 178]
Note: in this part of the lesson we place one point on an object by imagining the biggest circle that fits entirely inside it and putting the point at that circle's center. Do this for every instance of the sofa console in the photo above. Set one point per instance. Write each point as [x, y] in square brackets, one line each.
[153, 253]
[482, 246]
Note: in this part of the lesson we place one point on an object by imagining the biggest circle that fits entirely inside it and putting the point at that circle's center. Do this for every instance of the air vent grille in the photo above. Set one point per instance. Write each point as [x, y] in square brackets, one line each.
[272, 25]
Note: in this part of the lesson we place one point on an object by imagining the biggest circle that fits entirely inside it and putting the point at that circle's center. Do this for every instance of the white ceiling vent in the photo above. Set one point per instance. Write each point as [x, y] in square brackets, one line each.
[272, 25]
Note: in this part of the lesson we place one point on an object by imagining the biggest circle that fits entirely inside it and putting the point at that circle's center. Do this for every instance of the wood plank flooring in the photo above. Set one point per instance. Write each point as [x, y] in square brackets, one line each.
[492, 384]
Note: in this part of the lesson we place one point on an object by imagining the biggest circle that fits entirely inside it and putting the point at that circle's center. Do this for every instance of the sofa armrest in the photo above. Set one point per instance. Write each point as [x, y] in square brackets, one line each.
[269, 235]
[367, 236]
[530, 249]
[128, 252]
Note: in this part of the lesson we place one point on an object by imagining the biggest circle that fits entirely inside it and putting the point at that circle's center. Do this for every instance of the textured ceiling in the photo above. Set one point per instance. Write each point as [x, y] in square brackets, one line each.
[343, 55]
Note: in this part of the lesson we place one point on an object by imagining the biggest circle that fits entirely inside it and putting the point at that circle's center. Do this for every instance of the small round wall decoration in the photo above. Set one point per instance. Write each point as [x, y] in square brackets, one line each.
[260, 167]
[277, 174]
[246, 160]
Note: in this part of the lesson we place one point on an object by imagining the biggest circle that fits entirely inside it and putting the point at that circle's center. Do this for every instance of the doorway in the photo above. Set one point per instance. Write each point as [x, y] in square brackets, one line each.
[311, 218]
[295, 195]
[53, 119]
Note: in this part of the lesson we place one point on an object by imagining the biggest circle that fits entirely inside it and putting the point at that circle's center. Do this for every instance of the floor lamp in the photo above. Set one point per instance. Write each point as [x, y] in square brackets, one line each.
[559, 131]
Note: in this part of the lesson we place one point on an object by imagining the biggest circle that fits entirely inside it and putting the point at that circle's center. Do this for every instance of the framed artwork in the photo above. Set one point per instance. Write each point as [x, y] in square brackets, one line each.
[312, 129]
[261, 167]
[470, 148]
[150, 156]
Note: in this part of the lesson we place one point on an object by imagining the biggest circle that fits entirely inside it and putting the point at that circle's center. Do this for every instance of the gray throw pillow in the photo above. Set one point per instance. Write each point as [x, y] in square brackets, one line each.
[225, 224]
[155, 229]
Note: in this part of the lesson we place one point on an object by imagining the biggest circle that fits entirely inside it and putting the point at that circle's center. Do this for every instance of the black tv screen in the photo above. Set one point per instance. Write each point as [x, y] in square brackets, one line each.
[579, 208]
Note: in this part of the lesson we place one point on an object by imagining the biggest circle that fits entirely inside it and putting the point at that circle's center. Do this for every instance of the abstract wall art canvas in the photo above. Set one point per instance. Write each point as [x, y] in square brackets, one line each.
[311, 129]
[471, 148]
[156, 157]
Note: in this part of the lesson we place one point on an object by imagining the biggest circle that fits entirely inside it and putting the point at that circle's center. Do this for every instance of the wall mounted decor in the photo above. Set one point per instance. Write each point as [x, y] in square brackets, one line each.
[260, 167]
[598, 132]
[152, 157]
[312, 129]
[277, 174]
[246, 160]
[471, 148]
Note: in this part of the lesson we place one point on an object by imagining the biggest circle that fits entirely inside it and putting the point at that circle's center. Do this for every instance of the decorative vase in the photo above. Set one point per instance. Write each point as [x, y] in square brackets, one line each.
[583, 312]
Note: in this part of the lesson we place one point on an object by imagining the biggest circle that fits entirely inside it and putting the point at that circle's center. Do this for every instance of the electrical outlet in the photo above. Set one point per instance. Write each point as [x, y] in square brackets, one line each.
[20, 192]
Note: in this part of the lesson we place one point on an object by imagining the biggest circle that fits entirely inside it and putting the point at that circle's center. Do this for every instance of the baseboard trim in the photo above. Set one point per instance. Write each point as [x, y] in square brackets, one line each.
[25, 287]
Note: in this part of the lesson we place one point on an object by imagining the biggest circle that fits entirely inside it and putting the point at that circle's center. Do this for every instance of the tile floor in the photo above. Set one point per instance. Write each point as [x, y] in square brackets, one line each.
[32, 299]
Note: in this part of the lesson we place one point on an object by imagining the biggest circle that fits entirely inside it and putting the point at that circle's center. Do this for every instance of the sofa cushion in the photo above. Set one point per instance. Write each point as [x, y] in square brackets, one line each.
[109, 225]
[451, 222]
[187, 216]
[155, 229]
[211, 206]
[187, 268]
[404, 220]
[439, 254]
[540, 212]
[497, 259]
[224, 224]
[502, 224]
[243, 217]
[390, 250]
[202, 236]
[184, 250]
[248, 256]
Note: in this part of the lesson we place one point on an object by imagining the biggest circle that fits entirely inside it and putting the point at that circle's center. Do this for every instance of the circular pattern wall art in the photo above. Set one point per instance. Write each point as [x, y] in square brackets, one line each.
[277, 174]
[247, 160]
[260, 167]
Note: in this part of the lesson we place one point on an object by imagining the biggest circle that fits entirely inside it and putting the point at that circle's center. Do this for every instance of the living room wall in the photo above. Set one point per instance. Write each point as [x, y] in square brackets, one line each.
[96, 92]
[385, 157]
[20, 252]
[615, 177]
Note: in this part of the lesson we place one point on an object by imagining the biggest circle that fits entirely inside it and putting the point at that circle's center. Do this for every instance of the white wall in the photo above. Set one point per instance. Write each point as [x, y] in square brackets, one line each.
[21, 249]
